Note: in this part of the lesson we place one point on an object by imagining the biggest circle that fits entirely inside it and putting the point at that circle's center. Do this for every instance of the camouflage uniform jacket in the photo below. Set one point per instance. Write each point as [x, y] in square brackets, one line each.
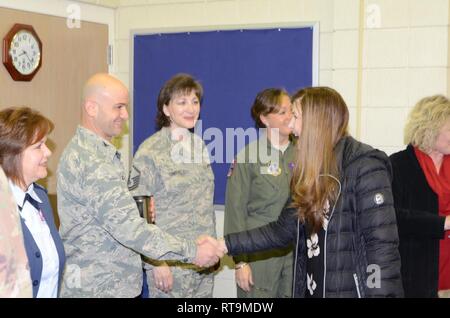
[179, 176]
[100, 225]
[15, 280]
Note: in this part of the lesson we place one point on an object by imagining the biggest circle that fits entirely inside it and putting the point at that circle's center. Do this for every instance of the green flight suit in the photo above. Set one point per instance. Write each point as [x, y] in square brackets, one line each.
[257, 190]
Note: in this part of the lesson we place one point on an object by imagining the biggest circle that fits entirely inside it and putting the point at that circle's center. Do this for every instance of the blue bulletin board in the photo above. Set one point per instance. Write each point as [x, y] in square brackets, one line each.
[233, 66]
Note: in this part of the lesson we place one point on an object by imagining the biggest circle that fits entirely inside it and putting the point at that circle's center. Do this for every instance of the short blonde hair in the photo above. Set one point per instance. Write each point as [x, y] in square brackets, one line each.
[425, 120]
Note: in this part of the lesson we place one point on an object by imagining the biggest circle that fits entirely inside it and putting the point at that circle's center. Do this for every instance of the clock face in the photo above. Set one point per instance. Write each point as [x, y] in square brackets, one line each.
[25, 52]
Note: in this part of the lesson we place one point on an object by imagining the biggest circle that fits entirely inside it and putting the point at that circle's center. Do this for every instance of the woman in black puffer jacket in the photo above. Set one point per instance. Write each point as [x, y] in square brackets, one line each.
[340, 216]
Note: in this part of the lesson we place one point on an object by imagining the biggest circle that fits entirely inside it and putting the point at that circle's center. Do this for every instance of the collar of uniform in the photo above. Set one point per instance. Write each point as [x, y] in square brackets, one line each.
[95, 144]
[19, 194]
[167, 132]
[264, 138]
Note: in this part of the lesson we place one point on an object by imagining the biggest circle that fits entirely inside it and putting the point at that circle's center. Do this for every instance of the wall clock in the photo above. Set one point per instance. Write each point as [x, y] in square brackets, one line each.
[22, 52]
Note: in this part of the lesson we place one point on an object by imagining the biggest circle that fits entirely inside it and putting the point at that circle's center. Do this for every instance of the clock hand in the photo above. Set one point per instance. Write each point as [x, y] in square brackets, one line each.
[26, 54]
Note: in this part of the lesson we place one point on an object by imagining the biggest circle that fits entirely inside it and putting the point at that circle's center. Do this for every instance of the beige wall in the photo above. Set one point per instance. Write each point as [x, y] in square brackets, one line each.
[70, 56]
[402, 56]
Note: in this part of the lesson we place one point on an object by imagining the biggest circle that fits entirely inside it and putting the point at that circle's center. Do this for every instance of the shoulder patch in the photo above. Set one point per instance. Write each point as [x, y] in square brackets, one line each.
[232, 166]
[134, 178]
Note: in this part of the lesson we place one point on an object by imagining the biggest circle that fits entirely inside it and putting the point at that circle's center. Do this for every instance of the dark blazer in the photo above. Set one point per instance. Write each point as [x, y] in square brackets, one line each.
[33, 252]
[362, 230]
[419, 224]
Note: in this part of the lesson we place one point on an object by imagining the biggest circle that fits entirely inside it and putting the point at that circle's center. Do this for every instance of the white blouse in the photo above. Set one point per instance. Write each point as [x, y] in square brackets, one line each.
[36, 224]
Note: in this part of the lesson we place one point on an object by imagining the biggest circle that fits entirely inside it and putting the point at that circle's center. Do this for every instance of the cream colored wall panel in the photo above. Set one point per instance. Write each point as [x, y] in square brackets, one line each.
[123, 55]
[285, 10]
[393, 149]
[429, 47]
[106, 3]
[385, 87]
[136, 18]
[125, 3]
[352, 121]
[172, 1]
[386, 48]
[326, 51]
[345, 49]
[254, 11]
[318, 10]
[224, 289]
[109, 3]
[382, 127]
[429, 13]
[448, 81]
[224, 281]
[181, 14]
[125, 78]
[392, 13]
[346, 14]
[222, 12]
[326, 78]
[344, 81]
[424, 82]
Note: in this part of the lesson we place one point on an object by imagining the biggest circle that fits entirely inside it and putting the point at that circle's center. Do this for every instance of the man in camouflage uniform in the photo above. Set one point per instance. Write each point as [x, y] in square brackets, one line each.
[15, 280]
[183, 194]
[100, 224]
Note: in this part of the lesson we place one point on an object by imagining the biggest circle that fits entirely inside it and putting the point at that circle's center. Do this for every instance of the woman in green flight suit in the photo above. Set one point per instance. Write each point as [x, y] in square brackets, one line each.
[259, 180]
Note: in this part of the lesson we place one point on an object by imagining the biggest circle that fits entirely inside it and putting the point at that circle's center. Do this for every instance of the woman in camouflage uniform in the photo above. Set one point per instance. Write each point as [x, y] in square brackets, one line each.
[173, 166]
[257, 190]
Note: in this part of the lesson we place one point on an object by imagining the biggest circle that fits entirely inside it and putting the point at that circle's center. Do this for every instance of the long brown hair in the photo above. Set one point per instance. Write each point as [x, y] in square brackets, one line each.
[324, 123]
[20, 128]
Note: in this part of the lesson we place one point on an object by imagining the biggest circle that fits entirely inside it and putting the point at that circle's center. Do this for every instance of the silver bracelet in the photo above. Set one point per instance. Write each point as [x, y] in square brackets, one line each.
[241, 265]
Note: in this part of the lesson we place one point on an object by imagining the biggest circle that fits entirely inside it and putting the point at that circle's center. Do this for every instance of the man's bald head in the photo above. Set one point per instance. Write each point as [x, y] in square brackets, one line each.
[104, 109]
[100, 84]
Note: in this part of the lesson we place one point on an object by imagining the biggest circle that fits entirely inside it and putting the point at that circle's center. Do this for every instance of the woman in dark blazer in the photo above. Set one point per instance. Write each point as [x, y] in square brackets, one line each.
[421, 188]
[23, 157]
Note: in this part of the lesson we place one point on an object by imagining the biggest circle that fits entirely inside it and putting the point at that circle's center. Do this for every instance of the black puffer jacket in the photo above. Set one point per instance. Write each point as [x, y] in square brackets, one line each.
[362, 234]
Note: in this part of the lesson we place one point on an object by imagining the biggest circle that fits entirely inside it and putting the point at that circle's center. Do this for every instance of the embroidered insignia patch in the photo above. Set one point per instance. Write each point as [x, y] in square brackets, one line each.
[134, 178]
[274, 169]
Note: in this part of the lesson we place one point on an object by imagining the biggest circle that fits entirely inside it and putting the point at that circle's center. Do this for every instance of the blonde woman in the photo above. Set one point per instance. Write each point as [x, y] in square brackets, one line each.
[340, 215]
[421, 188]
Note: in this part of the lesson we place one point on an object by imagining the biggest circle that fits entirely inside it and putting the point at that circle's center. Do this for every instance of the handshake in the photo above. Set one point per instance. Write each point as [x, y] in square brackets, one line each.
[209, 251]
